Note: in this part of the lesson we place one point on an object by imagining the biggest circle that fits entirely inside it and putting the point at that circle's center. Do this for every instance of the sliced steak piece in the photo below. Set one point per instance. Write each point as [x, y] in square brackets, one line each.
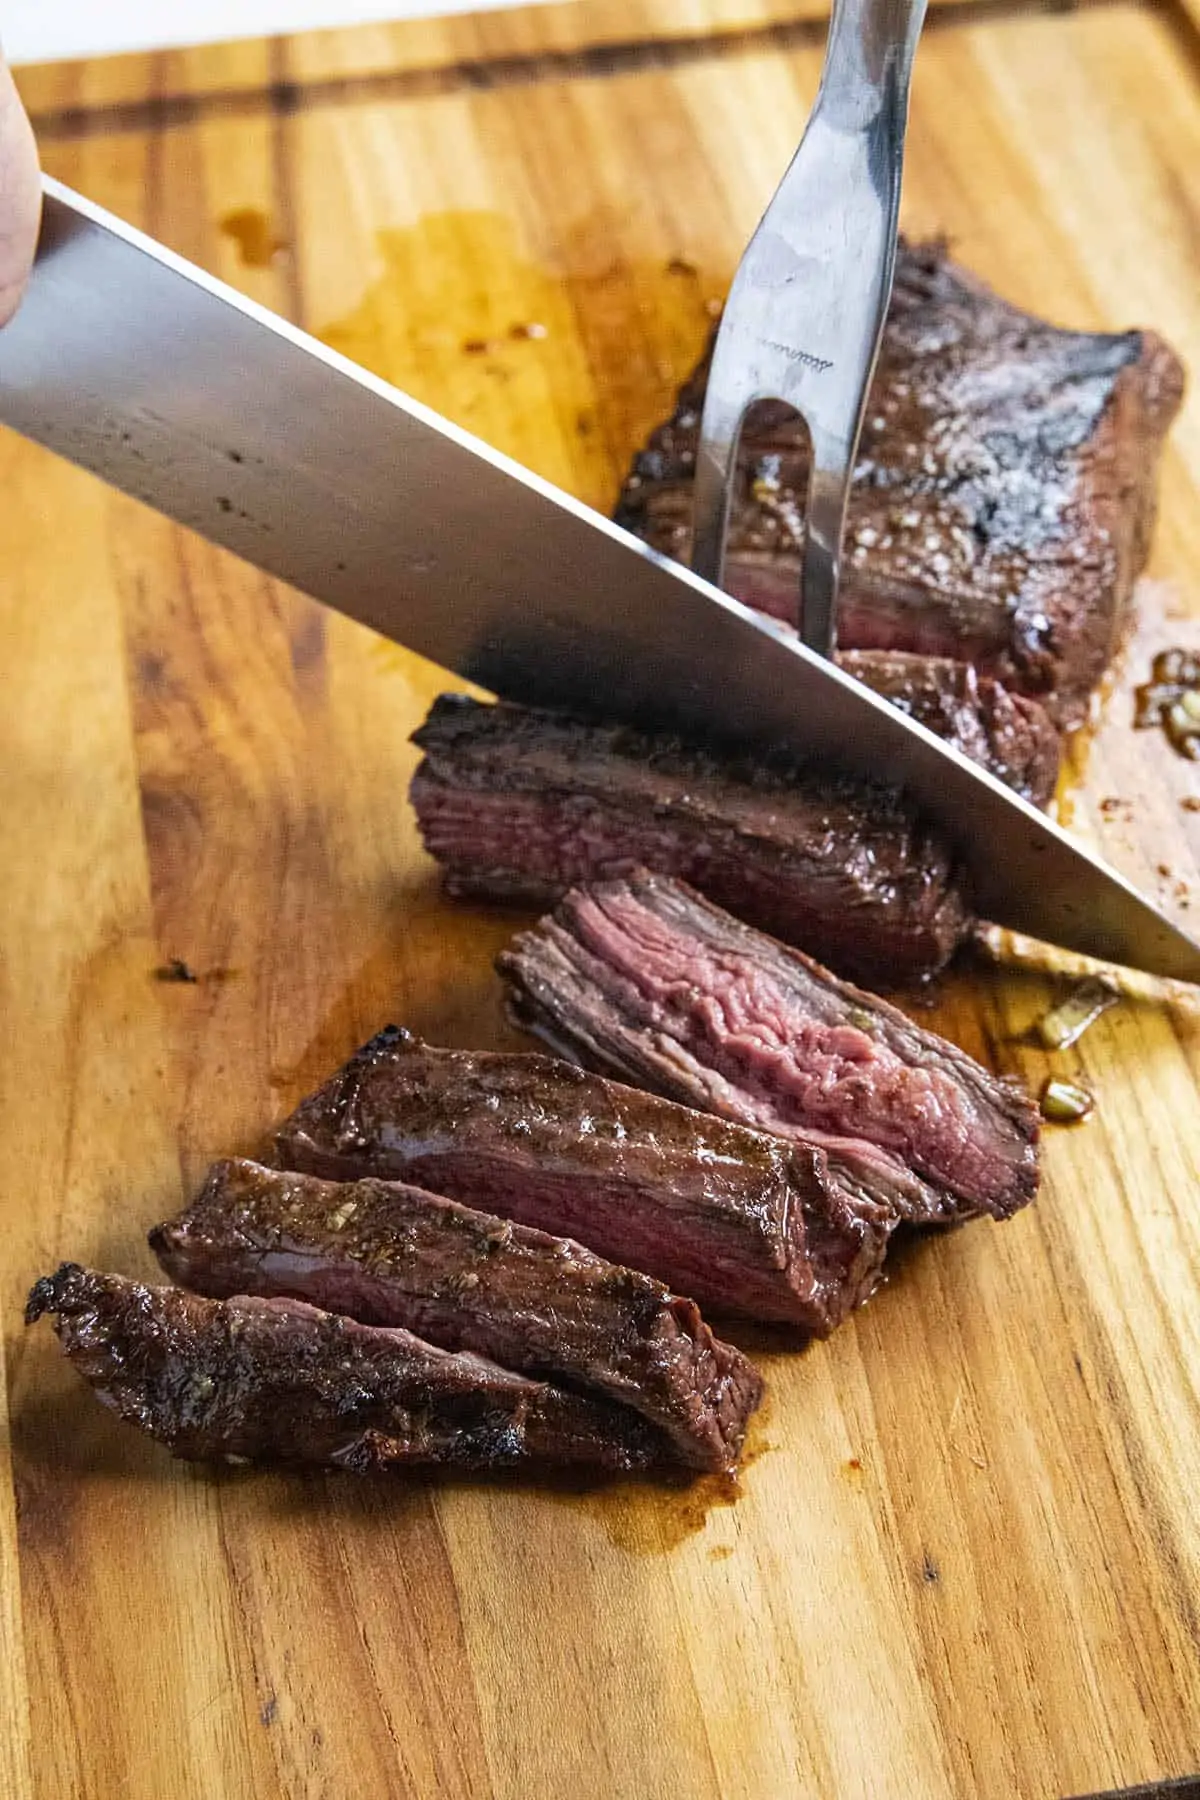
[1010, 734]
[746, 1223]
[1003, 499]
[280, 1381]
[645, 979]
[389, 1254]
[522, 804]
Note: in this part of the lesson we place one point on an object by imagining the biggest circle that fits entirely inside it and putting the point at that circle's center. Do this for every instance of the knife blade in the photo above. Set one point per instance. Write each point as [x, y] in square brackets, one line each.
[175, 389]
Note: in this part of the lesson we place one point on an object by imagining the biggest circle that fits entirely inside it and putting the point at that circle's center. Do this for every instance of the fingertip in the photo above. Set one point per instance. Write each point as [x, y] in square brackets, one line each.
[20, 195]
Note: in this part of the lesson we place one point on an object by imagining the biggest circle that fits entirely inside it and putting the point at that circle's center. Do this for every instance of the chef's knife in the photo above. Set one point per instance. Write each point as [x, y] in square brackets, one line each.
[175, 389]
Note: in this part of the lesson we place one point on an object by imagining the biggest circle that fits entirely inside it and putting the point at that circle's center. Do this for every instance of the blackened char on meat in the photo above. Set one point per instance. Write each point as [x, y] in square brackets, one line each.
[389, 1254]
[744, 1222]
[648, 981]
[522, 804]
[1009, 734]
[279, 1381]
[1003, 499]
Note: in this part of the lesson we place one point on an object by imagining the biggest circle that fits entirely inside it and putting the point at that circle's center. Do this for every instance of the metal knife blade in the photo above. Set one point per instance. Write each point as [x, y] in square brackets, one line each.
[138, 366]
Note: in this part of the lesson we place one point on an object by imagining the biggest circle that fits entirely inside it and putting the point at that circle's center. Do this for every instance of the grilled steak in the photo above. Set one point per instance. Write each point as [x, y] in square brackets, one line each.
[522, 804]
[1003, 499]
[648, 981]
[1010, 734]
[281, 1381]
[389, 1254]
[742, 1221]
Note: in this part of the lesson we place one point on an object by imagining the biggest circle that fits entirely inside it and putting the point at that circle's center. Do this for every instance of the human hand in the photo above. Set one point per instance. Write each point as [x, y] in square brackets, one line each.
[20, 195]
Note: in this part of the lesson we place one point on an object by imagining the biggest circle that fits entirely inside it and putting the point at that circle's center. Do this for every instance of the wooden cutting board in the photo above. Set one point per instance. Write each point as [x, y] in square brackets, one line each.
[966, 1560]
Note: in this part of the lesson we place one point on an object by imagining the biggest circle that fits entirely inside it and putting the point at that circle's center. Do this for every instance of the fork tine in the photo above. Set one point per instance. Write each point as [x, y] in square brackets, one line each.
[716, 462]
[824, 528]
[806, 309]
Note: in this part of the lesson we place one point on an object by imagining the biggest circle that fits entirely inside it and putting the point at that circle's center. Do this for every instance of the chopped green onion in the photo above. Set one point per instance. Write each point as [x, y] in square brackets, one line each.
[1065, 1104]
[1066, 1023]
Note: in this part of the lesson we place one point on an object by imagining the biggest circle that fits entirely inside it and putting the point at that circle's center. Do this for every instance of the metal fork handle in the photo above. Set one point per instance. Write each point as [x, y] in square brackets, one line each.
[843, 251]
[868, 64]
[864, 89]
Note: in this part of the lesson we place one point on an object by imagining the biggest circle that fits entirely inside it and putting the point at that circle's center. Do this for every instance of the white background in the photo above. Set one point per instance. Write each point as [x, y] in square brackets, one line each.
[45, 30]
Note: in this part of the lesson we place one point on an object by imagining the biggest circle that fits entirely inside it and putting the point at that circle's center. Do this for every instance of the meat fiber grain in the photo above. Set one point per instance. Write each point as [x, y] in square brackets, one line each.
[646, 980]
[519, 804]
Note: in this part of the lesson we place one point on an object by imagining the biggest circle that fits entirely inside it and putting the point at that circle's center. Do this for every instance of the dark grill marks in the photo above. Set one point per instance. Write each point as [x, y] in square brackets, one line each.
[386, 1253]
[279, 1381]
[1004, 495]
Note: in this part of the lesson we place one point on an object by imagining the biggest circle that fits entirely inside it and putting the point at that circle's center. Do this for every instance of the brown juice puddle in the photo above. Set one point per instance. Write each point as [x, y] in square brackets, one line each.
[1072, 774]
[565, 368]
[251, 231]
[1077, 744]
[649, 1518]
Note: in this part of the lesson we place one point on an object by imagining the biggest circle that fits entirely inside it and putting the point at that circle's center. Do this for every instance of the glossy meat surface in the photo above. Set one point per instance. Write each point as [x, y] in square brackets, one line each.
[1009, 734]
[386, 1253]
[741, 1221]
[522, 804]
[252, 1380]
[1003, 498]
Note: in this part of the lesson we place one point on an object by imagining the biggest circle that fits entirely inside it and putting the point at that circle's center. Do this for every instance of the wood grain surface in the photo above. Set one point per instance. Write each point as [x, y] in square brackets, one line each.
[394, 53]
[965, 1561]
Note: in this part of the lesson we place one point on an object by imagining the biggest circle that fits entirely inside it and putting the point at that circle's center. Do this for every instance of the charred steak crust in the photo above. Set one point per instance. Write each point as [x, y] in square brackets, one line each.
[741, 1220]
[389, 1254]
[1004, 495]
[645, 979]
[522, 804]
[1009, 734]
[276, 1380]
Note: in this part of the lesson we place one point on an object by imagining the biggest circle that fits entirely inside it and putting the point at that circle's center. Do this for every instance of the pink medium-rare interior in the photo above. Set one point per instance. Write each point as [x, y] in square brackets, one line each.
[761, 1271]
[795, 1071]
[554, 842]
[789, 1264]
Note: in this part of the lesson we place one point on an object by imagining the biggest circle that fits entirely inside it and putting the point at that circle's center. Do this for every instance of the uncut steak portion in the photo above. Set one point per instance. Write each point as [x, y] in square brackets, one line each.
[389, 1254]
[1003, 498]
[1009, 734]
[522, 804]
[744, 1222]
[280, 1381]
[645, 979]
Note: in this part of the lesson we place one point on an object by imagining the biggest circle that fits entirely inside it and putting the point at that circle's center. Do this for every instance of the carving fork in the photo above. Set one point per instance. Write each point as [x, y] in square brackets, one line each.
[806, 310]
